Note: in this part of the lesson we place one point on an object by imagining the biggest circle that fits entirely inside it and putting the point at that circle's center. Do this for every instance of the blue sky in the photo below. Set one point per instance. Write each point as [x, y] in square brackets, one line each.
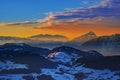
[71, 18]
[31, 10]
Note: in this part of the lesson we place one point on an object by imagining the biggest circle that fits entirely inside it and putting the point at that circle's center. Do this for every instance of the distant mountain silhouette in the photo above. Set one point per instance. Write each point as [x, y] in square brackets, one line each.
[110, 44]
[48, 37]
[9, 39]
[84, 38]
[107, 45]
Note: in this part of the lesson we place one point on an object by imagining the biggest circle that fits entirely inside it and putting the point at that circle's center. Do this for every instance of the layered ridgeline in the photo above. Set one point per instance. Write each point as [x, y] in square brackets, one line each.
[48, 37]
[47, 40]
[21, 61]
[22, 47]
[9, 39]
[108, 45]
[42, 40]
[41, 37]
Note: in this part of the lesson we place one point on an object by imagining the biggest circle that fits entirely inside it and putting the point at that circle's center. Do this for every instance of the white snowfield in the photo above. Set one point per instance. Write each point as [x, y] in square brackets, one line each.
[19, 76]
[67, 73]
[62, 72]
[8, 65]
[63, 57]
[91, 74]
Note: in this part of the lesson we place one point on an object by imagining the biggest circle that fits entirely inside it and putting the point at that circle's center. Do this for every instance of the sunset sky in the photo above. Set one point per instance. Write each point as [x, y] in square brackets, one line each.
[71, 18]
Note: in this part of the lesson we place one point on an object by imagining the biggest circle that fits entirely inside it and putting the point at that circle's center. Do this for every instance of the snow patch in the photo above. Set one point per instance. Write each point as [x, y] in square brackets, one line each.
[68, 73]
[12, 77]
[63, 57]
[57, 76]
[95, 74]
[8, 65]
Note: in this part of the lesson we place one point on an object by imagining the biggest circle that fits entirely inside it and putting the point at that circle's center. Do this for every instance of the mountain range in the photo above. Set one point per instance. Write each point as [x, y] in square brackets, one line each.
[22, 47]
[48, 37]
[9, 39]
[19, 61]
[107, 45]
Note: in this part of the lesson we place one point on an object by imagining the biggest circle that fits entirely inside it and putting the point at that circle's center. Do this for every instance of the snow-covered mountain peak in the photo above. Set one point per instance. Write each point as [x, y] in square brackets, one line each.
[66, 54]
[63, 57]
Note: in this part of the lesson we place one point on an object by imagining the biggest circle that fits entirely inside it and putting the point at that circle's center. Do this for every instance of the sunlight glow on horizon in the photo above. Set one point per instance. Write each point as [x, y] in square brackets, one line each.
[71, 20]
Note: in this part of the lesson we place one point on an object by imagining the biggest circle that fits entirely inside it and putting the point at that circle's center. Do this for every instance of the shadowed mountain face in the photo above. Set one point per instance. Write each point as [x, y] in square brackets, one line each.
[32, 57]
[21, 47]
[65, 54]
[48, 37]
[84, 38]
[33, 62]
[70, 50]
[21, 61]
[105, 44]
[9, 38]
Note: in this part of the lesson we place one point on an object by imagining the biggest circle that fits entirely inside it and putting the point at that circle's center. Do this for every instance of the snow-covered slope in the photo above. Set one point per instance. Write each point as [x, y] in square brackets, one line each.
[63, 57]
[63, 63]
[65, 54]
[81, 73]
[67, 73]
[8, 65]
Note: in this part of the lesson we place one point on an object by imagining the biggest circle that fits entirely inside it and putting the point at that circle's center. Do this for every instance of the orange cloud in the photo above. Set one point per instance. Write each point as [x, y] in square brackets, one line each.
[47, 19]
[74, 28]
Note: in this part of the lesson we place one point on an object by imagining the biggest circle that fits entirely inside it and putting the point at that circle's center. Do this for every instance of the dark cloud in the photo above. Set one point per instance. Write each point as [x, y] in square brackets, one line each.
[20, 23]
[106, 13]
[107, 8]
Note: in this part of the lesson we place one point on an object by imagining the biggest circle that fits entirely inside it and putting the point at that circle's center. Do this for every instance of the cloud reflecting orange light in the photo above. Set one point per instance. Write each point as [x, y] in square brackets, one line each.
[74, 30]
